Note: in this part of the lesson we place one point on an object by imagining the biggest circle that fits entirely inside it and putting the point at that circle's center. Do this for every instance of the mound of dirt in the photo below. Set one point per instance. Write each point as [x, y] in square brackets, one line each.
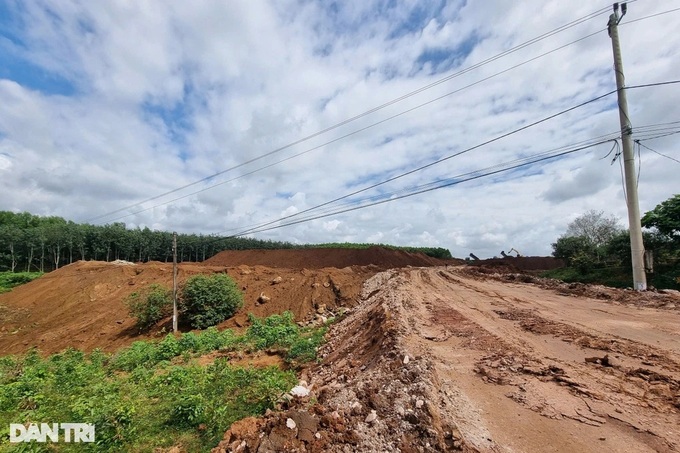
[324, 257]
[368, 394]
[522, 263]
[82, 305]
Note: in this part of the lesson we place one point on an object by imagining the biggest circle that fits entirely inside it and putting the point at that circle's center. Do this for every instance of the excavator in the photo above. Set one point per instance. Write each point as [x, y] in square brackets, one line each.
[510, 251]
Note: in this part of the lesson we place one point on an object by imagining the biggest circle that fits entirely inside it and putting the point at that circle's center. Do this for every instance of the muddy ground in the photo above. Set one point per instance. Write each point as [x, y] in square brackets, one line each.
[436, 358]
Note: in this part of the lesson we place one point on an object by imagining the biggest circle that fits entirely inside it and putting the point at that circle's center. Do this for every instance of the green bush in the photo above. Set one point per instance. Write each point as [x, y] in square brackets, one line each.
[279, 330]
[150, 305]
[208, 300]
[304, 348]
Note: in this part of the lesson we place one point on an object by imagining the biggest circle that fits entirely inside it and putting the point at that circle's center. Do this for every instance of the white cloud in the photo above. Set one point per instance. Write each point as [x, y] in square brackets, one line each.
[165, 94]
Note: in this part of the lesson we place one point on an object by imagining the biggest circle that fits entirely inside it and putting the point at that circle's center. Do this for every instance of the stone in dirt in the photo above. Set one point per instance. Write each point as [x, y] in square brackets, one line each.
[299, 391]
[373, 416]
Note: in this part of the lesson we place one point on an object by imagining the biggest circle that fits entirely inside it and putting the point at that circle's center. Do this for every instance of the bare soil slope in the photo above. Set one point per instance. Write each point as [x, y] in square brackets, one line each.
[314, 258]
[82, 305]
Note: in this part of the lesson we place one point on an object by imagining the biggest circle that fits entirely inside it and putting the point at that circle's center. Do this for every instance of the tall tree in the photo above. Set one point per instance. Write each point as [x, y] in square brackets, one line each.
[594, 226]
[665, 217]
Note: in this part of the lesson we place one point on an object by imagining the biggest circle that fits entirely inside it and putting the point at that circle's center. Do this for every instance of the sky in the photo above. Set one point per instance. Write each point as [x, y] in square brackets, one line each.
[214, 117]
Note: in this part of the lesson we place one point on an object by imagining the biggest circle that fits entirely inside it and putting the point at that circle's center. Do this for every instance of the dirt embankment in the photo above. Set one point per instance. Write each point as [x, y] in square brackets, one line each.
[532, 264]
[314, 258]
[82, 305]
[444, 359]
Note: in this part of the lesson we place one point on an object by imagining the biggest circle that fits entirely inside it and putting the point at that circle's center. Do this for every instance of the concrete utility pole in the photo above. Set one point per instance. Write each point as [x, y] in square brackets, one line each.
[174, 282]
[637, 248]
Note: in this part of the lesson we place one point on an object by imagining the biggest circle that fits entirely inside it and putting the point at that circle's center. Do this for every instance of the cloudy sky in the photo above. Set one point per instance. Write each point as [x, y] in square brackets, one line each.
[218, 116]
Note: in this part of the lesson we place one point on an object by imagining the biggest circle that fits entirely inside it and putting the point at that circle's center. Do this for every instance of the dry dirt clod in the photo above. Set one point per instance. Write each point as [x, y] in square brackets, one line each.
[277, 280]
[263, 299]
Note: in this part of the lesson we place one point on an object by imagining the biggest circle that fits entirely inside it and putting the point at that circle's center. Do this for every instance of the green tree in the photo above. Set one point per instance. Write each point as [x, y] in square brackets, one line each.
[10, 237]
[150, 305]
[665, 217]
[210, 299]
[572, 248]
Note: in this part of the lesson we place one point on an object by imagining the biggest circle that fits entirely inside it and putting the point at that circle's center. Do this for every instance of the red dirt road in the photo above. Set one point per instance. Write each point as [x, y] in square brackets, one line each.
[511, 359]
[448, 359]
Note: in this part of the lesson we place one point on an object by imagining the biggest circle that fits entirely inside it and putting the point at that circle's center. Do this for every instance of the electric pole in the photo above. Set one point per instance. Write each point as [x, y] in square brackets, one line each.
[174, 282]
[637, 247]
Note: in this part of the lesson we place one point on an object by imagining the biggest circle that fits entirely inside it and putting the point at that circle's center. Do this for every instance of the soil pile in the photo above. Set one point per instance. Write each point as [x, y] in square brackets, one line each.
[369, 393]
[82, 305]
[319, 258]
[522, 263]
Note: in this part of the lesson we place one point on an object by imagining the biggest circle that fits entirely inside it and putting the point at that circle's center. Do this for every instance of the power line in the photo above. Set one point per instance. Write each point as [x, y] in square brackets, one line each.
[355, 131]
[443, 159]
[654, 151]
[656, 84]
[598, 140]
[650, 16]
[370, 111]
[423, 190]
[374, 124]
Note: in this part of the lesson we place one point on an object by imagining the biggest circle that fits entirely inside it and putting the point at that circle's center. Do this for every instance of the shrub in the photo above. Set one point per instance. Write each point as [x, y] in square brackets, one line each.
[150, 305]
[304, 348]
[210, 299]
[278, 330]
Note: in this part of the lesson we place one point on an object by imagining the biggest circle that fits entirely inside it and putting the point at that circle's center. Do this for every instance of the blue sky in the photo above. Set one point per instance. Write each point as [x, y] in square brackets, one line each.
[106, 104]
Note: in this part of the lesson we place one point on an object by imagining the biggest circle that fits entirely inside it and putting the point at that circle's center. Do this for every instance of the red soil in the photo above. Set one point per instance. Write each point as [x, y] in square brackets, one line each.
[82, 305]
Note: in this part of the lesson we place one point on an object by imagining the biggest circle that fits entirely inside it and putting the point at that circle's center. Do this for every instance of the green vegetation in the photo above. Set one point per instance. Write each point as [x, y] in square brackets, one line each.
[149, 305]
[665, 218]
[207, 300]
[153, 394]
[281, 331]
[9, 280]
[30, 242]
[434, 252]
[598, 251]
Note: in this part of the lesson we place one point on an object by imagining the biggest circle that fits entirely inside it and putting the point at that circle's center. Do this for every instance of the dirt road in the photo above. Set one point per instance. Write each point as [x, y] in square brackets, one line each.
[451, 359]
[521, 368]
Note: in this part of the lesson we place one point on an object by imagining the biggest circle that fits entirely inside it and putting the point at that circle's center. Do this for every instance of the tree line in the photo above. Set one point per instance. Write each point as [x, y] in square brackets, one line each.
[35, 243]
[595, 247]
[32, 243]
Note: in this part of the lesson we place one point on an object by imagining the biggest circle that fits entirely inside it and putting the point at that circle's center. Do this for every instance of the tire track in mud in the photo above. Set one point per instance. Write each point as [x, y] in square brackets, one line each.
[544, 361]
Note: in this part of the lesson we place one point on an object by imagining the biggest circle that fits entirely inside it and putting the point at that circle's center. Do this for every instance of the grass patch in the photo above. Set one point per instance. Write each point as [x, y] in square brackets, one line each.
[152, 394]
[9, 280]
